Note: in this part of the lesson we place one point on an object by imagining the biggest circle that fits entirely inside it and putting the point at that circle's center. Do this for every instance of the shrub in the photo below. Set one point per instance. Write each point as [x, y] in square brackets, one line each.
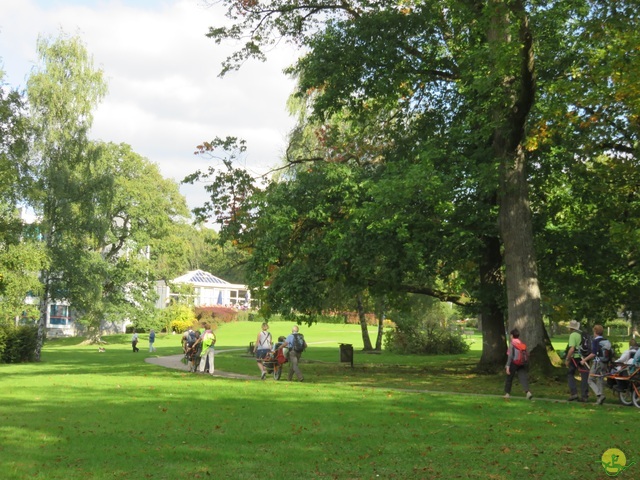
[180, 326]
[138, 329]
[177, 318]
[18, 344]
[429, 339]
[215, 315]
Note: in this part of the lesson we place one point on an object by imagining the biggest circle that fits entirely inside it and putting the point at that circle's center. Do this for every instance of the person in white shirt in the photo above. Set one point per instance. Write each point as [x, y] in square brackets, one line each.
[263, 346]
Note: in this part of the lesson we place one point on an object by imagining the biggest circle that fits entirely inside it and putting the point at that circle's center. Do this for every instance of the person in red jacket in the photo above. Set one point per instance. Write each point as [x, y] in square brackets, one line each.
[515, 351]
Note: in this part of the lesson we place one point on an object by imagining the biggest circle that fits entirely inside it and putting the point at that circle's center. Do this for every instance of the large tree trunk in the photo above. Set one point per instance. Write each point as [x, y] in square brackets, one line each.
[523, 292]
[491, 298]
[517, 84]
[366, 341]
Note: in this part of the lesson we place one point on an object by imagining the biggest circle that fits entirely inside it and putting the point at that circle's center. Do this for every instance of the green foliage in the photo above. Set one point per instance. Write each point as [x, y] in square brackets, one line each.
[17, 344]
[186, 247]
[425, 326]
[471, 322]
[20, 264]
[429, 338]
[98, 215]
[215, 315]
[180, 326]
[177, 318]
[491, 100]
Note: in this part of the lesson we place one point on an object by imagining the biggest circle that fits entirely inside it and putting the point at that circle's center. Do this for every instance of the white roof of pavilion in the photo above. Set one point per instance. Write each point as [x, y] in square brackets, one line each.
[201, 278]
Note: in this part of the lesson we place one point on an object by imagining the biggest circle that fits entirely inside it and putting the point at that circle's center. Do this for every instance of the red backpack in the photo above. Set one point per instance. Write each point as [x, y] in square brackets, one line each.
[520, 354]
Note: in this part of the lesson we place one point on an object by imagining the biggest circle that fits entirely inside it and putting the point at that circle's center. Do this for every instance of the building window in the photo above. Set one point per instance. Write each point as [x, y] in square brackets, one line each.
[59, 310]
[59, 315]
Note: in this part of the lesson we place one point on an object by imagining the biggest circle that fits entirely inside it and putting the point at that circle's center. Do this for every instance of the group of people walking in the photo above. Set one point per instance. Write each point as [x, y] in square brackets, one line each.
[135, 339]
[585, 357]
[199, 348]
[593, 375]
[293, 346]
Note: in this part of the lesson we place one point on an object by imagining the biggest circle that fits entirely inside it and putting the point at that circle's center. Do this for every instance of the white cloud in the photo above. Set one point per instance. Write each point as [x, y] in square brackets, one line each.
[164, 93]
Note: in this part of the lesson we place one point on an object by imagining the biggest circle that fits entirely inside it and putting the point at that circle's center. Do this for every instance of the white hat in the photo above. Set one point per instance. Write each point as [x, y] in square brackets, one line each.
[574, 325]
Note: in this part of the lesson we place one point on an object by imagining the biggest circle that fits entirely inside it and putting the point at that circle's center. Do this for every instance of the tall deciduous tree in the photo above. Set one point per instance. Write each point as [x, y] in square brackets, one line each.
[108, 271]
[21, 256]
[471, 60]
[62, 93]
[465, 82]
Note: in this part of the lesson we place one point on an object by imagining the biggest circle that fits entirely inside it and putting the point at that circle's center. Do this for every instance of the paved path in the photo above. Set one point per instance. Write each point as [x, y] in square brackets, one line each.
[175, 362]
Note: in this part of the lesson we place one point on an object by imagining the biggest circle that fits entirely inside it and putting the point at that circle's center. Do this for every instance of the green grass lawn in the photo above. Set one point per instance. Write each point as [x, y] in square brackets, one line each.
[80, 414]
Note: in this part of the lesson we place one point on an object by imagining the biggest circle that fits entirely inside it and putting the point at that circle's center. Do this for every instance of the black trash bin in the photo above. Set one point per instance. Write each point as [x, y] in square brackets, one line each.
[346, 353]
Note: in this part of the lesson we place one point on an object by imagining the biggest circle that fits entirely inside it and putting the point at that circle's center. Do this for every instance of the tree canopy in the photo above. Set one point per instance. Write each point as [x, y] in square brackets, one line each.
[96, 215]
[484, 111]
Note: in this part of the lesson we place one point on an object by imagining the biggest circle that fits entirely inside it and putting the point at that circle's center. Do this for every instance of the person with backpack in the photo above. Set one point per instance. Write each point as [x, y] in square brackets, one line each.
[517, 363]
[577, 348]
[194, 353]
[296, 344]
[263, 346]
[188, 339]
[601, 359]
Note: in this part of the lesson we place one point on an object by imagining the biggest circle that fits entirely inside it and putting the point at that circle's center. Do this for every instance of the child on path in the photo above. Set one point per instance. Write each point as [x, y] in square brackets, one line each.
[511, 368]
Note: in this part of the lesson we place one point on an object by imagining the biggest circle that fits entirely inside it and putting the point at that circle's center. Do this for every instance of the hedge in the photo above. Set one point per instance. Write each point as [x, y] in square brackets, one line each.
[18, 344]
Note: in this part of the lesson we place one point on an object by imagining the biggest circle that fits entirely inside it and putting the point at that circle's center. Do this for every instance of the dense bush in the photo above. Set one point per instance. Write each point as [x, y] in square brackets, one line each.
[180, 326]
[138, 329]
[18, 344]
[176, 318]
[430, 339]
[215, 315]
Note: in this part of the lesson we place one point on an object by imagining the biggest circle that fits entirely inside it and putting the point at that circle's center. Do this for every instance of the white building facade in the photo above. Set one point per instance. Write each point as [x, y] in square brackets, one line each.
[209, 290]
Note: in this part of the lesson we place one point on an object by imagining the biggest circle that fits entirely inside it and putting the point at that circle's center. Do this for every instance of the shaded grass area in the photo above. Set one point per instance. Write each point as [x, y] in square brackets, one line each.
[81, 414]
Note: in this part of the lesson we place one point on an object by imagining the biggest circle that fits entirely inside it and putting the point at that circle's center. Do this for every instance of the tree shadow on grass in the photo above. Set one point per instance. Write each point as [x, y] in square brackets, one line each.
[133, 426]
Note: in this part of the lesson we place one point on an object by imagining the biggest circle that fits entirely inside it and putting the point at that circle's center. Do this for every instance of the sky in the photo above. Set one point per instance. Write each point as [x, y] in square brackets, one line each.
[165, 96]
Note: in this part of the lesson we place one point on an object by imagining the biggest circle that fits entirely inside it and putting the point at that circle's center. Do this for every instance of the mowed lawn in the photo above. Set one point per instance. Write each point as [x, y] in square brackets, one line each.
[80, 414]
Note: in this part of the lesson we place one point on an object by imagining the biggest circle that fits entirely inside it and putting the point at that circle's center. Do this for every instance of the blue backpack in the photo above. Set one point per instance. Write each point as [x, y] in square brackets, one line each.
[605, 351]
